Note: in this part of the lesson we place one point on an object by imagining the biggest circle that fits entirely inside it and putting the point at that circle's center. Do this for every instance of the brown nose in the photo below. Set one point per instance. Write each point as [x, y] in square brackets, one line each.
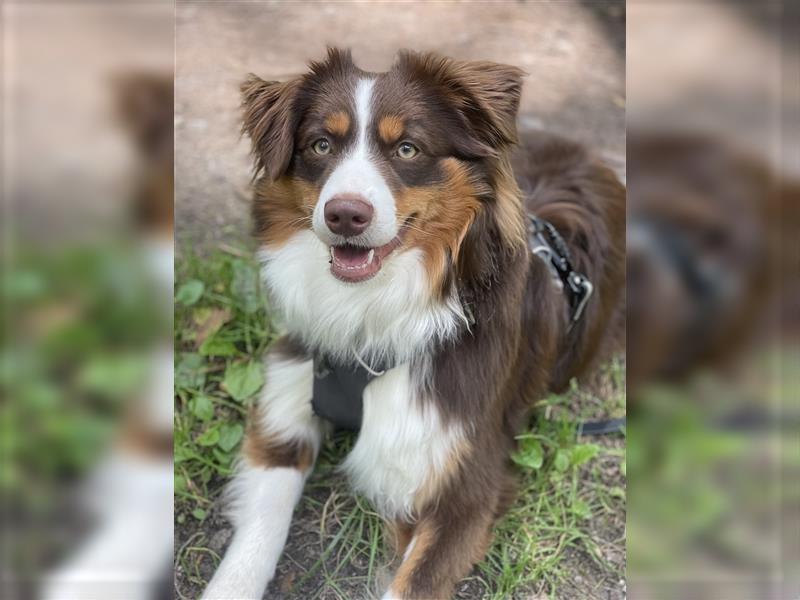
[348, 215]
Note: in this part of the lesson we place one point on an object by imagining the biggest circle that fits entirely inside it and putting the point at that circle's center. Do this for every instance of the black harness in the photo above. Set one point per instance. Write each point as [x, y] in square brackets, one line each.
[339, 389]
[546, 243]
[339, 392]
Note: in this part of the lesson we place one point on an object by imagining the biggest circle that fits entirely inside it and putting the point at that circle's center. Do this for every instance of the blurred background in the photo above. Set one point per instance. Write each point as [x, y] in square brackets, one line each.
[86, 358]
[713, 215]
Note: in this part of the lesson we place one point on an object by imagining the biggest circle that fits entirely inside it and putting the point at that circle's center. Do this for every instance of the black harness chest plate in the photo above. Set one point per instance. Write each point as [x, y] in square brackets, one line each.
[339, 393]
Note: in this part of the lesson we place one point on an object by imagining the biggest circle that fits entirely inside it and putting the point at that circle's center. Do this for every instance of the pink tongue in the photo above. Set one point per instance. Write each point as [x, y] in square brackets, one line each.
[350, 256]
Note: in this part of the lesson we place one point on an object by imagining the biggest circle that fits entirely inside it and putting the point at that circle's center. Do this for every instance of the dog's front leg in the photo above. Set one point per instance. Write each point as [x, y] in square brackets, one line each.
[449, 537]
[282, 441]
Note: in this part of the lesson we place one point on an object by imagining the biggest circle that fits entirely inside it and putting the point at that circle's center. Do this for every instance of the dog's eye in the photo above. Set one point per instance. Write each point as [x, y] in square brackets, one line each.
[322, 147]
[407, 150]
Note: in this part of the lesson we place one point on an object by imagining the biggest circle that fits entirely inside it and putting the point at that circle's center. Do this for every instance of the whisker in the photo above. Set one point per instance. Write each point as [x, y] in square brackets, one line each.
[300, 220]
[417, 229]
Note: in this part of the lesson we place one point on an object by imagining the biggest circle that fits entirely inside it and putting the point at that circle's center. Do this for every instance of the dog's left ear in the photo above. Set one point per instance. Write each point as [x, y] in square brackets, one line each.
[485, 94]
[270, 120]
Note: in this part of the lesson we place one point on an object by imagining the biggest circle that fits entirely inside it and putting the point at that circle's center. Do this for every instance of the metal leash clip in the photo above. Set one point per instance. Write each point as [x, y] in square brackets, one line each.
[582, 289]
[548, 245]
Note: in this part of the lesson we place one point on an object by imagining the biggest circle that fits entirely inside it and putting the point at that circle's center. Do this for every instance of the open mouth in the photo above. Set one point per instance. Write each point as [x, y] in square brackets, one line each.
[353, 263]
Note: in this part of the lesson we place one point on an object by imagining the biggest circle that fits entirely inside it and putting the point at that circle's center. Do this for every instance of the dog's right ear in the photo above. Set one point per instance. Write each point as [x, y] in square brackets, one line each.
[270, 120]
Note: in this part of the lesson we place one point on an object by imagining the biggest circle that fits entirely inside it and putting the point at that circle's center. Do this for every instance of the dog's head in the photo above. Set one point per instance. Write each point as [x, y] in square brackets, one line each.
[376, 163]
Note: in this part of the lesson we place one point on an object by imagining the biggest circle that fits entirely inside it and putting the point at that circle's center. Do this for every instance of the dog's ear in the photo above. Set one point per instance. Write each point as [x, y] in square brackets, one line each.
[485, 94]
[270, 119]
[144, 104]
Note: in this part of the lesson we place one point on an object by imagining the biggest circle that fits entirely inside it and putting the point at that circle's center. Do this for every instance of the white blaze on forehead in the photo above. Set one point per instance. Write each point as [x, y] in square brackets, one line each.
[363, 112]
[358, 174]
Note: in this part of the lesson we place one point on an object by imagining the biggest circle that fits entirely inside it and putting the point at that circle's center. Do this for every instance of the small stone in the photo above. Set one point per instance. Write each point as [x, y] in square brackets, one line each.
[220, 539]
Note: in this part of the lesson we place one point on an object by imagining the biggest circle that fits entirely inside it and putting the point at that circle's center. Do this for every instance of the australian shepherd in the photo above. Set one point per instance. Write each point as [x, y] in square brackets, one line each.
[394, 239]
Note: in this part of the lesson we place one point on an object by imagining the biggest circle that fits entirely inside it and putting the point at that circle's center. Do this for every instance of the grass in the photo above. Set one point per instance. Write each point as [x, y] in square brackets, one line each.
[566, 526]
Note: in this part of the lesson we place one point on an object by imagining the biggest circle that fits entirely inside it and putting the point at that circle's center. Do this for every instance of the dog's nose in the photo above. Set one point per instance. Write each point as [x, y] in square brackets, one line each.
[348, 215]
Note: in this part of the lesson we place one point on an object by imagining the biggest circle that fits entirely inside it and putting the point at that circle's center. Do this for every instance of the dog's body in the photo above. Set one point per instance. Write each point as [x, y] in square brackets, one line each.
[393, 233]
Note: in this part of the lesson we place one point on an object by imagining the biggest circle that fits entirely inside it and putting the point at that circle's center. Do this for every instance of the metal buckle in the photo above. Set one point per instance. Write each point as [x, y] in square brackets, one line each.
[321, 368]
[545, 253]
[583, 288]
[558, 263]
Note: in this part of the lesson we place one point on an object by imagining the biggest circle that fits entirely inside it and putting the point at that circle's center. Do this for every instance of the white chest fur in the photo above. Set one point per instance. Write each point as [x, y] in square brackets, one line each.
[402, 448]
[391, 317]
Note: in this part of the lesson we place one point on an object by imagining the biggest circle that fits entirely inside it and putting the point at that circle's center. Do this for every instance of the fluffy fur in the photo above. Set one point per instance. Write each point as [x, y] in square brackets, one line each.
[390, 318]
[470, 329]
[404, 446]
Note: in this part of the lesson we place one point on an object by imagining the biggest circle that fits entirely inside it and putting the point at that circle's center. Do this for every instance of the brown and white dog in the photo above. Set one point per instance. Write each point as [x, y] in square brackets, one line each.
[392, 232]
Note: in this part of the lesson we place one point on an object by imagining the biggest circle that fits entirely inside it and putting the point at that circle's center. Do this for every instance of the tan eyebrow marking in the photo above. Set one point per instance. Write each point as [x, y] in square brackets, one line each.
[390, 128]
[338, 123]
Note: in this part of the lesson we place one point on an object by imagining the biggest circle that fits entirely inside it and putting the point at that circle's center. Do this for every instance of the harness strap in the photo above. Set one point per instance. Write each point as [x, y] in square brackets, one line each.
[548, 245]
[602, 427]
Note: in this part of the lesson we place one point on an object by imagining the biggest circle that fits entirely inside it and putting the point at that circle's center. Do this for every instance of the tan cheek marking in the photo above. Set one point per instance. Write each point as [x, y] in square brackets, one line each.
[445, 213]
[338, 123]
[390, 128]
[283, 208]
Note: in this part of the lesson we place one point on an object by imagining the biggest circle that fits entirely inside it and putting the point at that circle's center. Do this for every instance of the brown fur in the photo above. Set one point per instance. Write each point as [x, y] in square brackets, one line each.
[140, 438]
[270, 122]
[282, 208]
[442, 546]
[263, 450]
[399, 534]
[144, 104]
[485, 93]
[423, 536]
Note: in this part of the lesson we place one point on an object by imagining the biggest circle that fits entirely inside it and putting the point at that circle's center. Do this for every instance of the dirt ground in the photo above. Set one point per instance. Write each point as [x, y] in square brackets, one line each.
[574, 53]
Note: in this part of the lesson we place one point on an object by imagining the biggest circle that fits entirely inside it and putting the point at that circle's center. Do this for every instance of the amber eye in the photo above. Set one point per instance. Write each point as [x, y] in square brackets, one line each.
[407, 150]
[322, 147]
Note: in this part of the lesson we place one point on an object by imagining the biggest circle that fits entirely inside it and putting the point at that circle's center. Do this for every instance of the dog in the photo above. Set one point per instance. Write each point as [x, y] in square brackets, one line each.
[394, 240]
[710, 256]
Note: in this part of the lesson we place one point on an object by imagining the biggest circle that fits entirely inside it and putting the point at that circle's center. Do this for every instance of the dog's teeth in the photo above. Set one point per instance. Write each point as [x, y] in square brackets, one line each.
[331, 249]
[370, 257]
